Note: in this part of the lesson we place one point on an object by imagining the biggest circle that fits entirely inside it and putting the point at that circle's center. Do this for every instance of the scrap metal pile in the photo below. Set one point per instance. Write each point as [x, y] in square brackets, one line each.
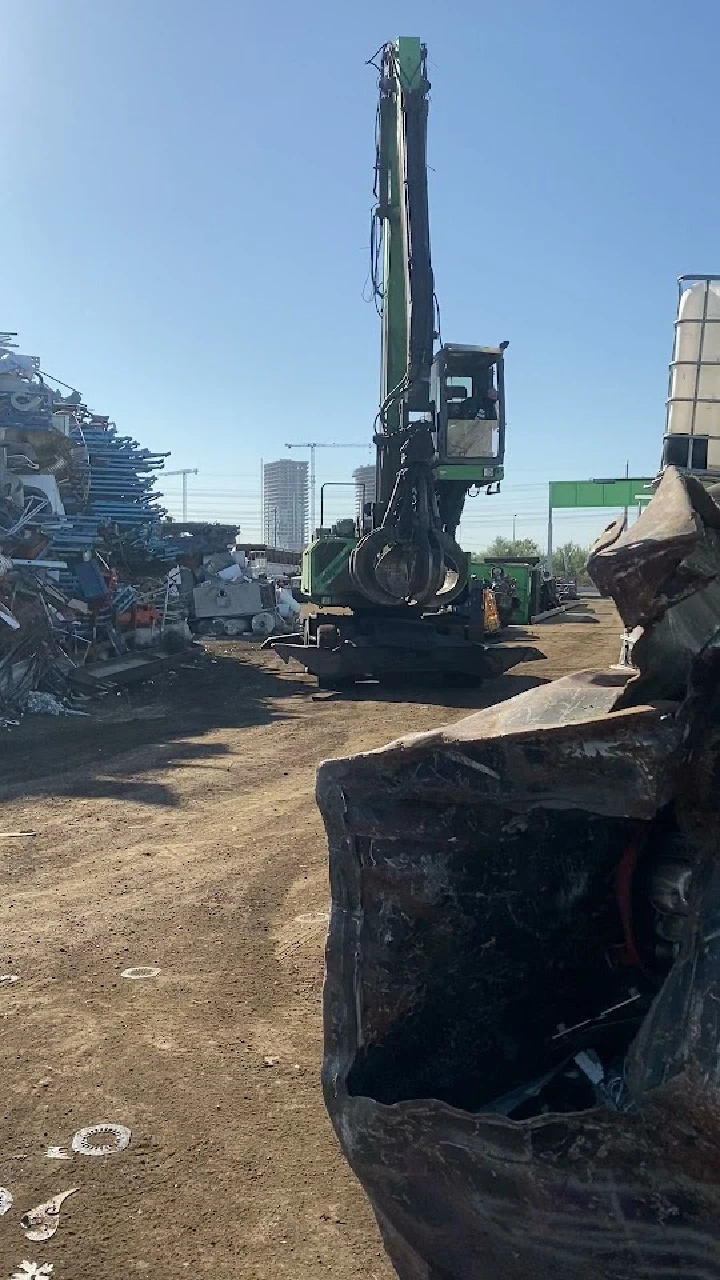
[522, 1019]
[68, 479]
[83, 564]
[72, 646]
[89, 571]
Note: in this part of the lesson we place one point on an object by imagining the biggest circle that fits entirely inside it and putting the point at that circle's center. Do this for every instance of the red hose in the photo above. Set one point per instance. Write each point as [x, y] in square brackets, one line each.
[627, 865]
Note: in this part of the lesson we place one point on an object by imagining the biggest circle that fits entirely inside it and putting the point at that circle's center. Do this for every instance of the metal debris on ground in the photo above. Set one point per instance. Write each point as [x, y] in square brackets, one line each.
[570, 611]
[44, 704]
[6, 1200]
[33, 1271]
[83, 1141]
[58, 1153]
[81, 554]
[88, 570]
[7, 978]
[271, 1060]
[227, 600]
[137, 972]
[43, 1221]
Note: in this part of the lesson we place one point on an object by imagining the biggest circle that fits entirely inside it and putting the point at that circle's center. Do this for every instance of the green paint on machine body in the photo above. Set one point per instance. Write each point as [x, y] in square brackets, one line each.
[525, 578]
[325, 576]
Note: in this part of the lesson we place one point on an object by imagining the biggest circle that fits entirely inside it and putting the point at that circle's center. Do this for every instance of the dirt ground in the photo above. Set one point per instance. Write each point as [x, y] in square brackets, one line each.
[178, 829]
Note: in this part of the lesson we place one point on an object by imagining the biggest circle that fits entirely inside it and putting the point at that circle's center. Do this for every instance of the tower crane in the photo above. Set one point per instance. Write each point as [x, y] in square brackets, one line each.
[184, 472]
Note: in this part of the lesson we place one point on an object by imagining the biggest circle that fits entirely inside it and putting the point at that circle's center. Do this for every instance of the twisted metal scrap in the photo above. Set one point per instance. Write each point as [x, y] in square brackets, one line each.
[664, 575]
[469, 868]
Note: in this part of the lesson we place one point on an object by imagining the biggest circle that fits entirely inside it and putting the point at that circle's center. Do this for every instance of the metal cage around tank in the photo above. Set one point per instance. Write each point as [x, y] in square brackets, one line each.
[692, 420]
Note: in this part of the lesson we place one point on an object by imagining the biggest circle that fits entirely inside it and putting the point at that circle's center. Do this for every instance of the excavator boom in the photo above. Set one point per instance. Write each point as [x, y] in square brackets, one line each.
[409, 555]
[406, 291]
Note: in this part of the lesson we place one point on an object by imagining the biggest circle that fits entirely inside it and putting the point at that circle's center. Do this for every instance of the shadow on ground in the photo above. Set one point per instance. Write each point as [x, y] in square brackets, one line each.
[165, 724]
[439, 693]
[162, 719]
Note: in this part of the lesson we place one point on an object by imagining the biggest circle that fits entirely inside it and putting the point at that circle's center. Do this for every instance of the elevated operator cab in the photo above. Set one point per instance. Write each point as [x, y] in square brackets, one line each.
[468, 393]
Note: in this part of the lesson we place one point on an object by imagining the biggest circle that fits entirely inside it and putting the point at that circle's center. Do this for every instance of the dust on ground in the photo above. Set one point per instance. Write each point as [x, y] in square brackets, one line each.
[178, 829]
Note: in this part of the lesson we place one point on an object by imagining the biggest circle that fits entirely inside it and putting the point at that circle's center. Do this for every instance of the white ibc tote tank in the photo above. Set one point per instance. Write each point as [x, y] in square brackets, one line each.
[694, 400]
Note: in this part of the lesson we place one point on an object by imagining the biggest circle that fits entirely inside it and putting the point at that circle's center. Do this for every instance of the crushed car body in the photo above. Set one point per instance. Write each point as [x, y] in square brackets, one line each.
[523, 961]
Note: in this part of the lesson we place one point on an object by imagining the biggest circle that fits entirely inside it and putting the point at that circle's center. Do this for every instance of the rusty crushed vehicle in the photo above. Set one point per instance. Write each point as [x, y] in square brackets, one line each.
[522, 997]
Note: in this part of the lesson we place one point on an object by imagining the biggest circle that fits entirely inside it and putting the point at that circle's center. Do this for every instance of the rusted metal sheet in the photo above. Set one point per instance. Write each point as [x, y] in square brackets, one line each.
[672, 549]
[662, 573]
[521, 1014]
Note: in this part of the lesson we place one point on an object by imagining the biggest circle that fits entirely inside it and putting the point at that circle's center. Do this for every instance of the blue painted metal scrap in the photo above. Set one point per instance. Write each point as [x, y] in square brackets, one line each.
[107, 480]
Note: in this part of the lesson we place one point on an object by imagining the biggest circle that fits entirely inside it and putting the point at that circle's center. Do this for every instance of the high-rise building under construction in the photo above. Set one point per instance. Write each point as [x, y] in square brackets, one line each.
[364, 480]
[285, 504]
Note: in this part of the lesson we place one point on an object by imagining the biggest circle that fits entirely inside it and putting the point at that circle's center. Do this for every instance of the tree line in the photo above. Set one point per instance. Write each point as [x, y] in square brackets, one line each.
[569, 560]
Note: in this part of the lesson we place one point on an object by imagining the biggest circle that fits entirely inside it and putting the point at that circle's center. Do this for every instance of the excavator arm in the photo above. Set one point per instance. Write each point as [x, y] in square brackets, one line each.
[441, 417]
[407, 557]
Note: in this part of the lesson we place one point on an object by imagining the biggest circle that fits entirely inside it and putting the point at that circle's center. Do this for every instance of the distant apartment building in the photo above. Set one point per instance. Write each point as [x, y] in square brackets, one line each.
[285, 504]
[364, 479]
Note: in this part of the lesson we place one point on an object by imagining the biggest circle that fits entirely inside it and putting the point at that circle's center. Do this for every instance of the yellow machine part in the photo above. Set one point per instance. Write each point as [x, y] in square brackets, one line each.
[491, 617]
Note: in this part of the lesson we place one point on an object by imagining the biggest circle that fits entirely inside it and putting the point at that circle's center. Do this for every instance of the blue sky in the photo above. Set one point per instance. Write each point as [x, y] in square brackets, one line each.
[185, 213]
